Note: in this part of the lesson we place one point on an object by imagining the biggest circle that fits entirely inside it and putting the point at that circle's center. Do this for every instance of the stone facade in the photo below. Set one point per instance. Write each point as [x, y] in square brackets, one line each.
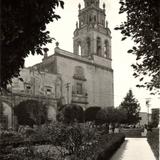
[35, 82]
[90, 81]
[30, 85]
[86, 74]
[10, 101]
[144, 118]
[84, 77]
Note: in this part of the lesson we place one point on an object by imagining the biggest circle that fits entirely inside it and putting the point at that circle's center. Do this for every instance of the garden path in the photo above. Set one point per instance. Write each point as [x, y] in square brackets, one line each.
[134, 149]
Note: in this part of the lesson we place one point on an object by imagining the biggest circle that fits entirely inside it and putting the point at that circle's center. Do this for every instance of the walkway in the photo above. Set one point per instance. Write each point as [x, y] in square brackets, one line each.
[134, 149]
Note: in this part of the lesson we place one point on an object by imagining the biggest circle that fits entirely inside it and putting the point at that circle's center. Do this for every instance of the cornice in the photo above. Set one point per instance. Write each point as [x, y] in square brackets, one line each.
[81, 59]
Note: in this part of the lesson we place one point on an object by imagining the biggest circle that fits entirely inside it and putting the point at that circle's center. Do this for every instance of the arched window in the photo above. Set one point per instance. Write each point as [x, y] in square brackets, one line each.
[99, 49]
[82, 22]
[94, 18]
[6, 115]
[90, 18]
[79, 49]
[106, 49]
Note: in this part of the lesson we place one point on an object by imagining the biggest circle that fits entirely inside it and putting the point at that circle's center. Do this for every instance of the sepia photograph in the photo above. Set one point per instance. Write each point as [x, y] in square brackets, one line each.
[79, 79]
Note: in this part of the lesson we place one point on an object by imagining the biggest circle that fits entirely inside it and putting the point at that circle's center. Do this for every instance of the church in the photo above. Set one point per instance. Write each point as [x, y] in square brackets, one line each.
[84, 77]
[86, 74]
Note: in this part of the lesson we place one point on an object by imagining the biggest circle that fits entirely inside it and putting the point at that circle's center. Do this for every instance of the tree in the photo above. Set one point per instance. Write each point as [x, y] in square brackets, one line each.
[120, 116]
[155, 117]
[23, 31]
[71, 113]
[143, 26]
[132, 108]
[106, 115]
[31, 112]
[91, 112]
[111, 115]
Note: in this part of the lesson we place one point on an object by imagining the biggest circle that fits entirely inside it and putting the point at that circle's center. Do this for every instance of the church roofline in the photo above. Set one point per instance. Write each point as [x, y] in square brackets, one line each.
[70, 55]
[92, 7]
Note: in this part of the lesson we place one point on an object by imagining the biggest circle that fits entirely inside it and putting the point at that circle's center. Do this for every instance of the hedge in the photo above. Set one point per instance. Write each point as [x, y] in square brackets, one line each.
[86, 143]
[153, 140]
[132, 132]
[111, 146]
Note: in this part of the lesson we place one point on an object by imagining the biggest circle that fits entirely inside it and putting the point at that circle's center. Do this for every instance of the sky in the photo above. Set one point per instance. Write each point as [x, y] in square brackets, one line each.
[62, 30]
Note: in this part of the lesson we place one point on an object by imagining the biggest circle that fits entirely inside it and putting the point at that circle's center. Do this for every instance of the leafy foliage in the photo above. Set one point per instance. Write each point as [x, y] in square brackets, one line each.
[31, 112]
[91, 112]
[143, 25]
[71, 113]
[155, 117]
[106, 115]
[74, 142]
[153, 140]
[23, 31]
[111, 115]
[132, 108]
[30, 153]
[109, 148]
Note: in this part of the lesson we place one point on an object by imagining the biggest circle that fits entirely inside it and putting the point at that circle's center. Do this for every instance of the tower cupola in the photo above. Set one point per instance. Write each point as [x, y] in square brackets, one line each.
[92, 35]
[88, 3]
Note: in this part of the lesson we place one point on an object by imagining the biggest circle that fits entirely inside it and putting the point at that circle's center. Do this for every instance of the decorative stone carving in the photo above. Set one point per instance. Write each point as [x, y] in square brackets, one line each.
[79, 73]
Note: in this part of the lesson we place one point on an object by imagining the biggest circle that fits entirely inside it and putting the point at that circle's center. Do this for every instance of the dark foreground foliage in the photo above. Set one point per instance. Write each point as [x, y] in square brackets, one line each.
[153, 140]
[143, 26]
[58, 142]
[23, 31]
[110, 147]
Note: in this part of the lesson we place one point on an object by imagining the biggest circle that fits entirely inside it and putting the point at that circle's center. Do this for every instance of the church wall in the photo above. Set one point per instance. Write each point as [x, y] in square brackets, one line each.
[7, 111]
[98, 81]
[35, 83]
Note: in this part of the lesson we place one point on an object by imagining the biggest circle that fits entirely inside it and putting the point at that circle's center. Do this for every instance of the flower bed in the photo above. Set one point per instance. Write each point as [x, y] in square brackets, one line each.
[74, 142]
[153, 140]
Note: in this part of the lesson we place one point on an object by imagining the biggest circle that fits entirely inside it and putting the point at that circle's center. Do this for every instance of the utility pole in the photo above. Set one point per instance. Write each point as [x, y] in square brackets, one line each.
[159, 115]
[67, 86]
[148, 105]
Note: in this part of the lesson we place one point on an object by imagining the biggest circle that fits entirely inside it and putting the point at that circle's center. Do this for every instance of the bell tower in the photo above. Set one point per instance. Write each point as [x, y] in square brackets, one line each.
[92, 35]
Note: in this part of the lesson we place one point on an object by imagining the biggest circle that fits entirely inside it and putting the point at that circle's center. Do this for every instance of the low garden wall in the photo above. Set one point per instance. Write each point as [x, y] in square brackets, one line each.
[153, 140]
[132, 132]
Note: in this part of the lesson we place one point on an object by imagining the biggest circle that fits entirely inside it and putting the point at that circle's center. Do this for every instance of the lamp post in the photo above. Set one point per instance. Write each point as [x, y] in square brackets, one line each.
[148, 105]
[159, 115]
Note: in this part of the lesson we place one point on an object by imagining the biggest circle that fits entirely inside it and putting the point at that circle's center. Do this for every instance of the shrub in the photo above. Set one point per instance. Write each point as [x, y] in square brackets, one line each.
[74, 141]
[113, 144]
[7, 139]
[71, 113]
[29, 153]
[91, 112]
[31, 112]
[9, 136]
[153, 140]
